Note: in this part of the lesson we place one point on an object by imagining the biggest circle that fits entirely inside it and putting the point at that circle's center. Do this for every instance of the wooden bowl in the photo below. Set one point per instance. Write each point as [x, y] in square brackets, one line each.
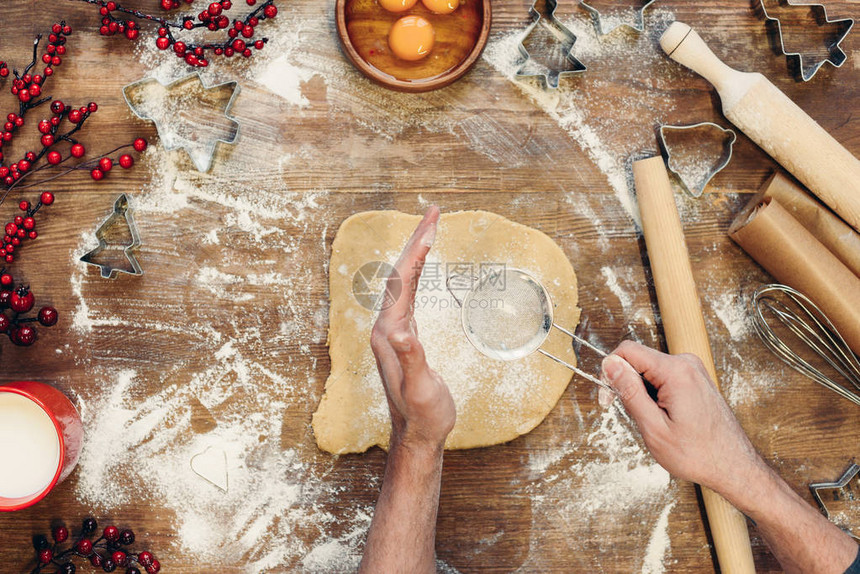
[363, 26]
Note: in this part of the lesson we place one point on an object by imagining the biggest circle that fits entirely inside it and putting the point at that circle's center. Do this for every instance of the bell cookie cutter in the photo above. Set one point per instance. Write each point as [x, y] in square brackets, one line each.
[843, 489]
[613, 23]
[170, 132]
[563, 35]
[695, 180]
[836, 56]
[121, 210]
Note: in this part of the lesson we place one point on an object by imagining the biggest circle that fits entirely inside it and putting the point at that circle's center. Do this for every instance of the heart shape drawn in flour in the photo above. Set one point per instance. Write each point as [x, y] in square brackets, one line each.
[211, 465]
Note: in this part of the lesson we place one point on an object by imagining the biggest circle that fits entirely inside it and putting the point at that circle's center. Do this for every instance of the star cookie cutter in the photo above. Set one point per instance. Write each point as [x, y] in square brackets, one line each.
[695, 177]
[835, 56]
[121, 210]
[568, 64]
[846, 488]
[178, 128]
[613, 23]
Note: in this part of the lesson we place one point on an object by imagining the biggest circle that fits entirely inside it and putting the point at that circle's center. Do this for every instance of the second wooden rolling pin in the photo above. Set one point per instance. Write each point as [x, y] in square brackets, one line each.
[775, 123]
[684, 326]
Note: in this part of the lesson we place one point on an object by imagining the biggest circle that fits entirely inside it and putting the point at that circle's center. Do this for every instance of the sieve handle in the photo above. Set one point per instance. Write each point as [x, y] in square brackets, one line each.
[579, 372]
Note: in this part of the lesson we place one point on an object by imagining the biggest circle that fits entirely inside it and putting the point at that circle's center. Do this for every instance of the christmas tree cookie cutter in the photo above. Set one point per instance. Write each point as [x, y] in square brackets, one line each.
[835, 55]
[109, 269]
[567, 63]
[846, 488]
[692, 163]
[606, 24]
[196, 125]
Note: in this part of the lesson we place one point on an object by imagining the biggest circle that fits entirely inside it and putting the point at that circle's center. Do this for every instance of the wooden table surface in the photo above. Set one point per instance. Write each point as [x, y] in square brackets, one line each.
[483, 143]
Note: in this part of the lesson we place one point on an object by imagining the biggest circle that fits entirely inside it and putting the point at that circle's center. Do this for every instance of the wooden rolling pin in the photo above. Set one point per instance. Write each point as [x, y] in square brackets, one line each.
[684, 326]
[776, 124]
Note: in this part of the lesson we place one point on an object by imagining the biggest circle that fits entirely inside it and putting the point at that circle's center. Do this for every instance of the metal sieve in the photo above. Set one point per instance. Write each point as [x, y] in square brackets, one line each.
[508, 314]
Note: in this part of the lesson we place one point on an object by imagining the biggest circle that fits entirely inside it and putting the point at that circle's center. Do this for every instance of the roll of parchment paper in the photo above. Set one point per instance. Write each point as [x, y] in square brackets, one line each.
[789, 252]
[827, 227]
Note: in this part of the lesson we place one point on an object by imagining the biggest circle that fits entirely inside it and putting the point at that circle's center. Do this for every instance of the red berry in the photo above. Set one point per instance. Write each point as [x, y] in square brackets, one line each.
[247, 31]
[5, 280]
[4, 323]
[75, 116]
[33, 234]
[132, 33]
[153, 568]
[78, 150]
[47, 140]
[60, 533]
[11, 229]
[48, 316]
[25, 336]
[92, 107]
[162, 43]
[35, 90]
[270, 11]
[23, 165]
[46, 555]
[57, 107]
[111, 533]
[214, 9]
[24, 206]
[10, 258]
[259, 44]
[119, 557]
[238, 45]
[47, 198]
[251, 2]
[29, 223]
[97, 174]
[105, 164]
[22, 299]
[19, 219]
[126, 161]
[31, 156]
[145, 558]
[84, 546]
[139, 144]
[246, 52]
[96, 560]
[49, 71]
[24, 95]
[54, 157]
[191, 59]
[179, 48]
[45, 126]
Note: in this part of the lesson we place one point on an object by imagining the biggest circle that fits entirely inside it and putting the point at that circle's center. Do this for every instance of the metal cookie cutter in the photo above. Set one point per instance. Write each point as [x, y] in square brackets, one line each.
[847, 488]
[695, 173]
[122, 210]
[197, 133]
[605, 24]
[562, 38]
[835, 54]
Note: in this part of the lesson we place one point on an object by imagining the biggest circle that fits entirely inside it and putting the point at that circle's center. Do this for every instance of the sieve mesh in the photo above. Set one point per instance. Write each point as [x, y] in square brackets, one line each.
[507, 315]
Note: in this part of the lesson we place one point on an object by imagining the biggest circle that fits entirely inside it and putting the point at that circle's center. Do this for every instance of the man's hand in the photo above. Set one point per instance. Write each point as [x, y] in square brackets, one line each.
[422, 410]
[403, 532]
[690, 430]
[692, 433]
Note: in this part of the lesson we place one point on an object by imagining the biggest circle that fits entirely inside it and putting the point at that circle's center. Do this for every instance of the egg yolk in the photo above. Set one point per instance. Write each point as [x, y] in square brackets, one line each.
[398, 5]
[441, 6]
[411, 38]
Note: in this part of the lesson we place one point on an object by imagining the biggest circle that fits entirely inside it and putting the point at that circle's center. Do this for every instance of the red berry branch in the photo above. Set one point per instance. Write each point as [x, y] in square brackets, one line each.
[106, 552]
[239, 37]
[21, 300]
[27, 87]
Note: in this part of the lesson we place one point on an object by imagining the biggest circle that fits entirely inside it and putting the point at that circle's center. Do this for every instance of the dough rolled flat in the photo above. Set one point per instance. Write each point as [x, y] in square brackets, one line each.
[496, 401]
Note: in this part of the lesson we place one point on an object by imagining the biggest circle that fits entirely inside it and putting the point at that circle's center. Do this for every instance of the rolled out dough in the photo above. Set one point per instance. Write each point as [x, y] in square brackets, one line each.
[496, 400]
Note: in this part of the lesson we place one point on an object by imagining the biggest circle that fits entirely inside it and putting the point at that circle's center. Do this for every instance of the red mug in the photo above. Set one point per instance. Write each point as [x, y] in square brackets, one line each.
[40, 440]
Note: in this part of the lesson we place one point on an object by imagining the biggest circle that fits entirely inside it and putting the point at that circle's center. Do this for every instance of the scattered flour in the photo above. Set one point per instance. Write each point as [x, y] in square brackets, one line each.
[659, 544]
[734, 311]
[612, 282]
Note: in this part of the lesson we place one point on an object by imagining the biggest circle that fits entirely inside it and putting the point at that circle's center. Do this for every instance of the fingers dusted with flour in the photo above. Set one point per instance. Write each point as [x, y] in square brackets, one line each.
[403, 532]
